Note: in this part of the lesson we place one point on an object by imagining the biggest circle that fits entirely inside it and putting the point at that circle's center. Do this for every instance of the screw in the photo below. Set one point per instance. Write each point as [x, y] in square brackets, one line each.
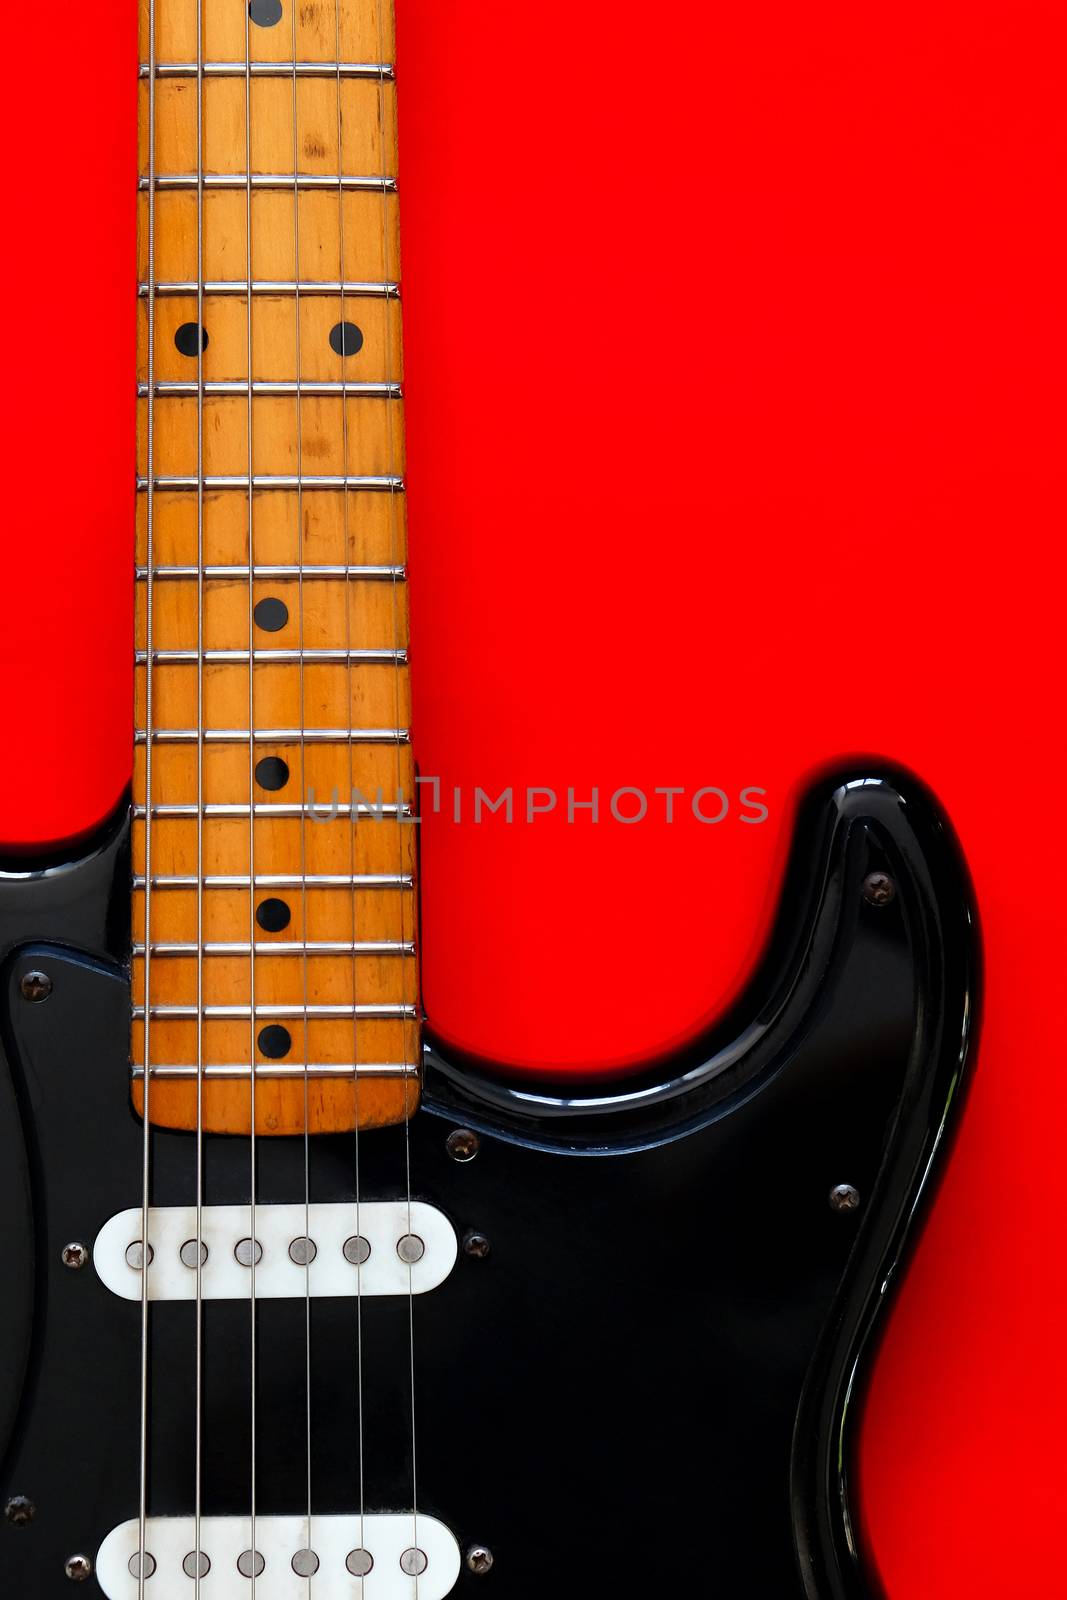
[35, 985]
[462, 1144]
[78, 1568]
[844, 1197]
[879, 889]
[476, 1245]
[20, 1510]
[74, 1255]
[479, 1559]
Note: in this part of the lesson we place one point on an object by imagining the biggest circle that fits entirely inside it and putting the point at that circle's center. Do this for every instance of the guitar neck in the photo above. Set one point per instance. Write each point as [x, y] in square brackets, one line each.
[272, 703]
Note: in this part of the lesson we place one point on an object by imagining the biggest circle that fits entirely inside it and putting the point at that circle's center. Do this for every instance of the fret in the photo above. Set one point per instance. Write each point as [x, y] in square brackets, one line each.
[380, 845]
[263, 808]
[274, 735]
[374, 465]
[372, 482]
[374, 70]
[362, 574]
[280, 880]
[368, 183]
[281, 947]
[291, 335]
[363, 657]
[295, 982]
[276, 475]
[351, 289]
[344, 134]
[358, 31]
[367, 221]
[307, 389]
[279, 1070]
[278, 1012]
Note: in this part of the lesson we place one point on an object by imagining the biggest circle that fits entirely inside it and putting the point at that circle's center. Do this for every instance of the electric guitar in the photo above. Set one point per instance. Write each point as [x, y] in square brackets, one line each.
[302, 1297]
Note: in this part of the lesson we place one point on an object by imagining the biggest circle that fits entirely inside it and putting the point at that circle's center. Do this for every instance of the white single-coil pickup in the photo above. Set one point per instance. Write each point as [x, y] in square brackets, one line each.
[375, 1248]
[395, 1557]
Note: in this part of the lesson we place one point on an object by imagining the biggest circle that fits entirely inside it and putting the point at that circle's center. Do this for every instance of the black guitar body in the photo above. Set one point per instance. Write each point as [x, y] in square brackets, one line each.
[642, 1375]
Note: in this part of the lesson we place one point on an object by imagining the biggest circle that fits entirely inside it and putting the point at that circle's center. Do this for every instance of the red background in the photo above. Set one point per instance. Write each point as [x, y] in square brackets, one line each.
[735, 354]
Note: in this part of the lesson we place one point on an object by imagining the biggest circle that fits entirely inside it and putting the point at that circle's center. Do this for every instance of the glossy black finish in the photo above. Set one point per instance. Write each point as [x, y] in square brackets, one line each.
[643, 1382]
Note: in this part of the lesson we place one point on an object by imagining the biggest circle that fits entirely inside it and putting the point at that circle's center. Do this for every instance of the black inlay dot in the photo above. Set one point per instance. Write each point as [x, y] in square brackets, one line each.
[265, 13]
[271, 614]
[273, 915]
[346, 339]
[274, 1041]
[188, 338]
[272, 773]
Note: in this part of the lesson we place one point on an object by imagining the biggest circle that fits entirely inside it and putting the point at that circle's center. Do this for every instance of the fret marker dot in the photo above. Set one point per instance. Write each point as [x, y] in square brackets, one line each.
[274, 1041]
[346, 339]
[272, 773]
[271, 614]
[273, 915]
[265, 13]
[189, 339]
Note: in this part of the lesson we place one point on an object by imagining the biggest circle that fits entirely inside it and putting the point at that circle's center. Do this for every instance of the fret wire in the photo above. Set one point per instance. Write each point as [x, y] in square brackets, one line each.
[298, 736]
[274, 481]
[280, 808]
[219, 573]
[171, 182]
[279, 287]
[168, 387]
[281, 947]
[212, 1012]
[273, 657]
[269, 69]
[281, 1069]
[279, 880]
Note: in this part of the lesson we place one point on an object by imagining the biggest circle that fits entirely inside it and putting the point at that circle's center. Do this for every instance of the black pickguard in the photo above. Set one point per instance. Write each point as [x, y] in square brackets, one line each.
[645, 1382]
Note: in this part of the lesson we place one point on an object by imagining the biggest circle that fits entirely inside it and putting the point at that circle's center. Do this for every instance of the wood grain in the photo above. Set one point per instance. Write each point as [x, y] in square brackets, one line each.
[314, 126]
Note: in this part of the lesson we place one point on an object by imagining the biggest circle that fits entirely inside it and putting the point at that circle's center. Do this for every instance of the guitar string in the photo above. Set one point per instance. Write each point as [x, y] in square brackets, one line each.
[199, 1463]
[394, 524]
[146, 1121]
[353, 813]
[253, 1346]
[308, 1544]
